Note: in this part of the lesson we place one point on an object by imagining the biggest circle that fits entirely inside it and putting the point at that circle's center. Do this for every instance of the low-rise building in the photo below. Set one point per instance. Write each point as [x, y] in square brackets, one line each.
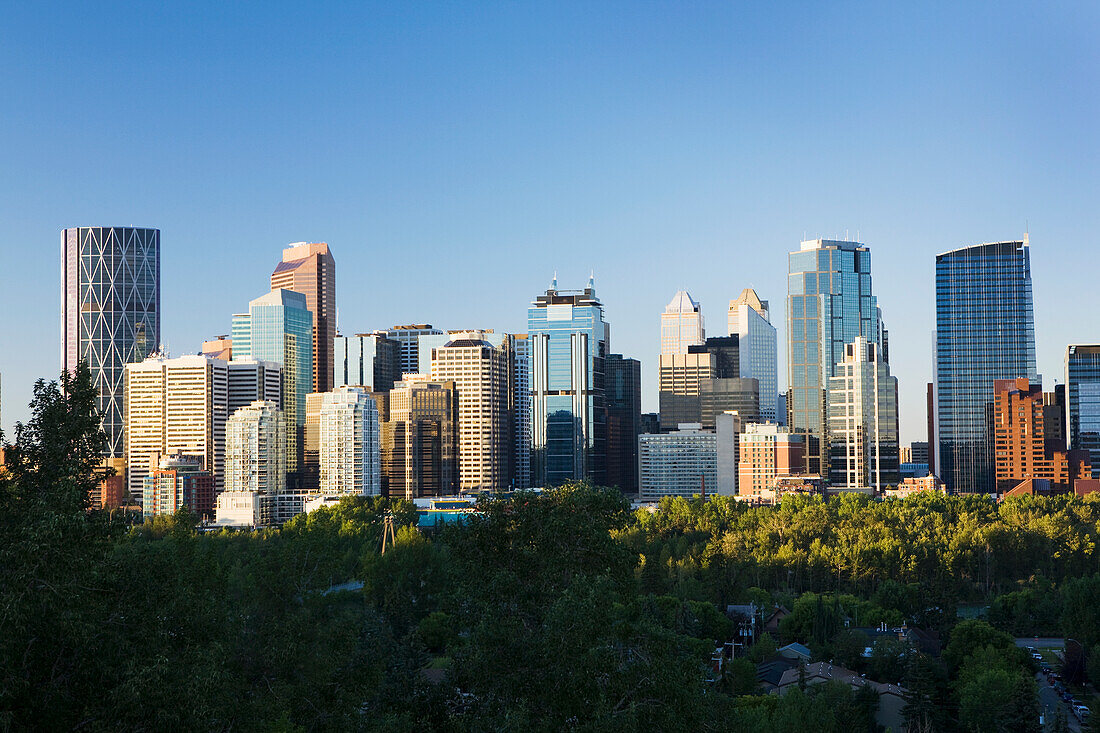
[891, 698]
[178, 480]
[681, 463]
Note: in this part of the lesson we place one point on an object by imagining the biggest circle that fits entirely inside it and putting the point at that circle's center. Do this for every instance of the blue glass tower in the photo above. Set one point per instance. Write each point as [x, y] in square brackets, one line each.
[985, 330]
[1083, 400]
[829, 305]
[279, 327]
[569, 342]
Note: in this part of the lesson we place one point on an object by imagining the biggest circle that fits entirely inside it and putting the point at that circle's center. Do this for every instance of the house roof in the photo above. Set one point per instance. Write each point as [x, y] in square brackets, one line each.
[823, 671]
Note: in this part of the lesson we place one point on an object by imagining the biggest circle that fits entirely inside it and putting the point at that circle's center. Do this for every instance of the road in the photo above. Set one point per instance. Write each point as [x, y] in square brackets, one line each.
[1049, 702]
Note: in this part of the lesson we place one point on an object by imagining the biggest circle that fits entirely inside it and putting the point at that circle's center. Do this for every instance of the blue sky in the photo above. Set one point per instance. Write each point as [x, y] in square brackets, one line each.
[454, 155]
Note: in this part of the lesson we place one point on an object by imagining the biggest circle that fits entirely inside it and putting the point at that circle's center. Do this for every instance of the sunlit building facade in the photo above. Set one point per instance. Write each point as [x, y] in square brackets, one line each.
[1083, 400]
[749, 319]
[309, 268]
[350, 452]
[681, 324]
[863, 421]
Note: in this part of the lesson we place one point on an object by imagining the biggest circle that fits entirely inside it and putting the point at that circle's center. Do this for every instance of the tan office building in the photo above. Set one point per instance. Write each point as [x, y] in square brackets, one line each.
[419, 455]
[679, 382]
[309, 269]
[766, 451]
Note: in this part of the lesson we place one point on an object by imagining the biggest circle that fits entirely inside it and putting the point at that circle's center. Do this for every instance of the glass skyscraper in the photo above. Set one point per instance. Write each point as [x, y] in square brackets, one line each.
[750, 321]
[985, 330]
[110, 312]
[569, 342]
[829, 305]
[1083, 400]
[279, 327]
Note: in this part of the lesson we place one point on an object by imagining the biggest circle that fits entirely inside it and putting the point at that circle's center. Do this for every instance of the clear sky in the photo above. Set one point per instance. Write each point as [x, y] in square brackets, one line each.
[454, 155]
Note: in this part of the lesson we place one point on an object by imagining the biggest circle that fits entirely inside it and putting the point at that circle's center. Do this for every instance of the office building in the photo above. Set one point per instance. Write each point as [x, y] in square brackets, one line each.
[419, 447]
[766, 452]
[749, 319]
[308, 268]
[728, 427]
[255, 449]
[829, 304]
[279, 328]
[624, 421]
[1082, 400]
[679, 463]
[409, 338]
[368, 360]
[726, 353]
[723, 395]
[219, 348]
[480, 372]
[521, 411]
[177, 481]
[251, 380]
[110, 316]
[679, 384]
[243, 509]
[175, 406]
[428, 341]
[863, 421]
[569, 343]
[681, 324]
[1021, 450]
[651, 423]
[985, 331]
[350, 459]
[918, 452]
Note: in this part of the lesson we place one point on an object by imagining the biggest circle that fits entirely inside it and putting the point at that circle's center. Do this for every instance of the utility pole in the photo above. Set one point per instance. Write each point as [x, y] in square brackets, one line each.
[387, 532]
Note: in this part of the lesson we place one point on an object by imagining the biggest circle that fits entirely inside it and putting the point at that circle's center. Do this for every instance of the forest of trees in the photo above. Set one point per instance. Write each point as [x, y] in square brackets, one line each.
[548, 611]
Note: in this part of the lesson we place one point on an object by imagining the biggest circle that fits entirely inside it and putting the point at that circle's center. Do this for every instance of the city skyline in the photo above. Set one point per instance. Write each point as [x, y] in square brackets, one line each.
[536, 188]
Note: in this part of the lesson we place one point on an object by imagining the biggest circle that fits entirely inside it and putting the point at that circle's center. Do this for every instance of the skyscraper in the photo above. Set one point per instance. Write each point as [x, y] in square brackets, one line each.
[110, 313]
[723, 395]
[175, 406]
[750, 321]
[367, 360]
[1083, 400]
[419, 449]
[679, 380]
[681, 324]
[279, 328]
[985, 331]
[308, 268]
[624, 421]
[255, 464]
[521, 411]
[829, 304]
[863, 421]
[480, 372]
[569, 342]
[350, 450]
[409, 338]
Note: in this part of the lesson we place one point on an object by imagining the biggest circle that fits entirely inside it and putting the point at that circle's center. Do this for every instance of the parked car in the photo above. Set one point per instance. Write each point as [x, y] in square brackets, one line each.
[1082, 711]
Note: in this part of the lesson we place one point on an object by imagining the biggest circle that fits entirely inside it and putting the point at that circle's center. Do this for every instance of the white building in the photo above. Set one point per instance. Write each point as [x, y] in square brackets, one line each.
[174, 406]
[243, 509]
[728, 429]
[350, 456]
[680, 463]
[480, 372]
[251, 380]
[750, 321]
[681, 325]
[255, 449]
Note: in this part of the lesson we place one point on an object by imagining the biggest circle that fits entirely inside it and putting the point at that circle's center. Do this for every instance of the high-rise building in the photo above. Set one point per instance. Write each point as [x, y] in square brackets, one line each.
[750, 321]
[480, 372]
[350, 447]
[918, 452]
[726, 351]
[624, 421]
[251, 380]
[1021, 451]
[419, 447]
[717, 396]
[985, 331]
[279, 328]
[177, 481]
[1082, 398]
[521, 411]
[863, 421]
[680, 463]
[679, 383]
[110, 314]
[368, 360]
[219, 348]
[728, 426]
[1054, 418]
[255, 464]
[651, 423]
[175, 406]
[569, 342]
[308, 268]
[767, 451]
[409, 338]
[426, 342]
[681, 324]
[829, 304]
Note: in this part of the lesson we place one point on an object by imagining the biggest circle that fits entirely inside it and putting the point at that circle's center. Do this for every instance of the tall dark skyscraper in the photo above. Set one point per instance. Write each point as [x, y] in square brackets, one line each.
[110, 312]
[985, 331]
[624, 421]
[1082, 400]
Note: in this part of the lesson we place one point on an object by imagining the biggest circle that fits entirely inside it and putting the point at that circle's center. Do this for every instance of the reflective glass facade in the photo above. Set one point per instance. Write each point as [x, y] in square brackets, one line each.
[279, 328]
[569, 341]
[110, 279]
[985, 330]
[1083, 400]
[829, 304]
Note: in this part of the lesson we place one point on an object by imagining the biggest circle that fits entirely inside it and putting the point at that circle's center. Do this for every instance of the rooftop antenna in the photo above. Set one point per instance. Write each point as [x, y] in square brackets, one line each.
[554, 283]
